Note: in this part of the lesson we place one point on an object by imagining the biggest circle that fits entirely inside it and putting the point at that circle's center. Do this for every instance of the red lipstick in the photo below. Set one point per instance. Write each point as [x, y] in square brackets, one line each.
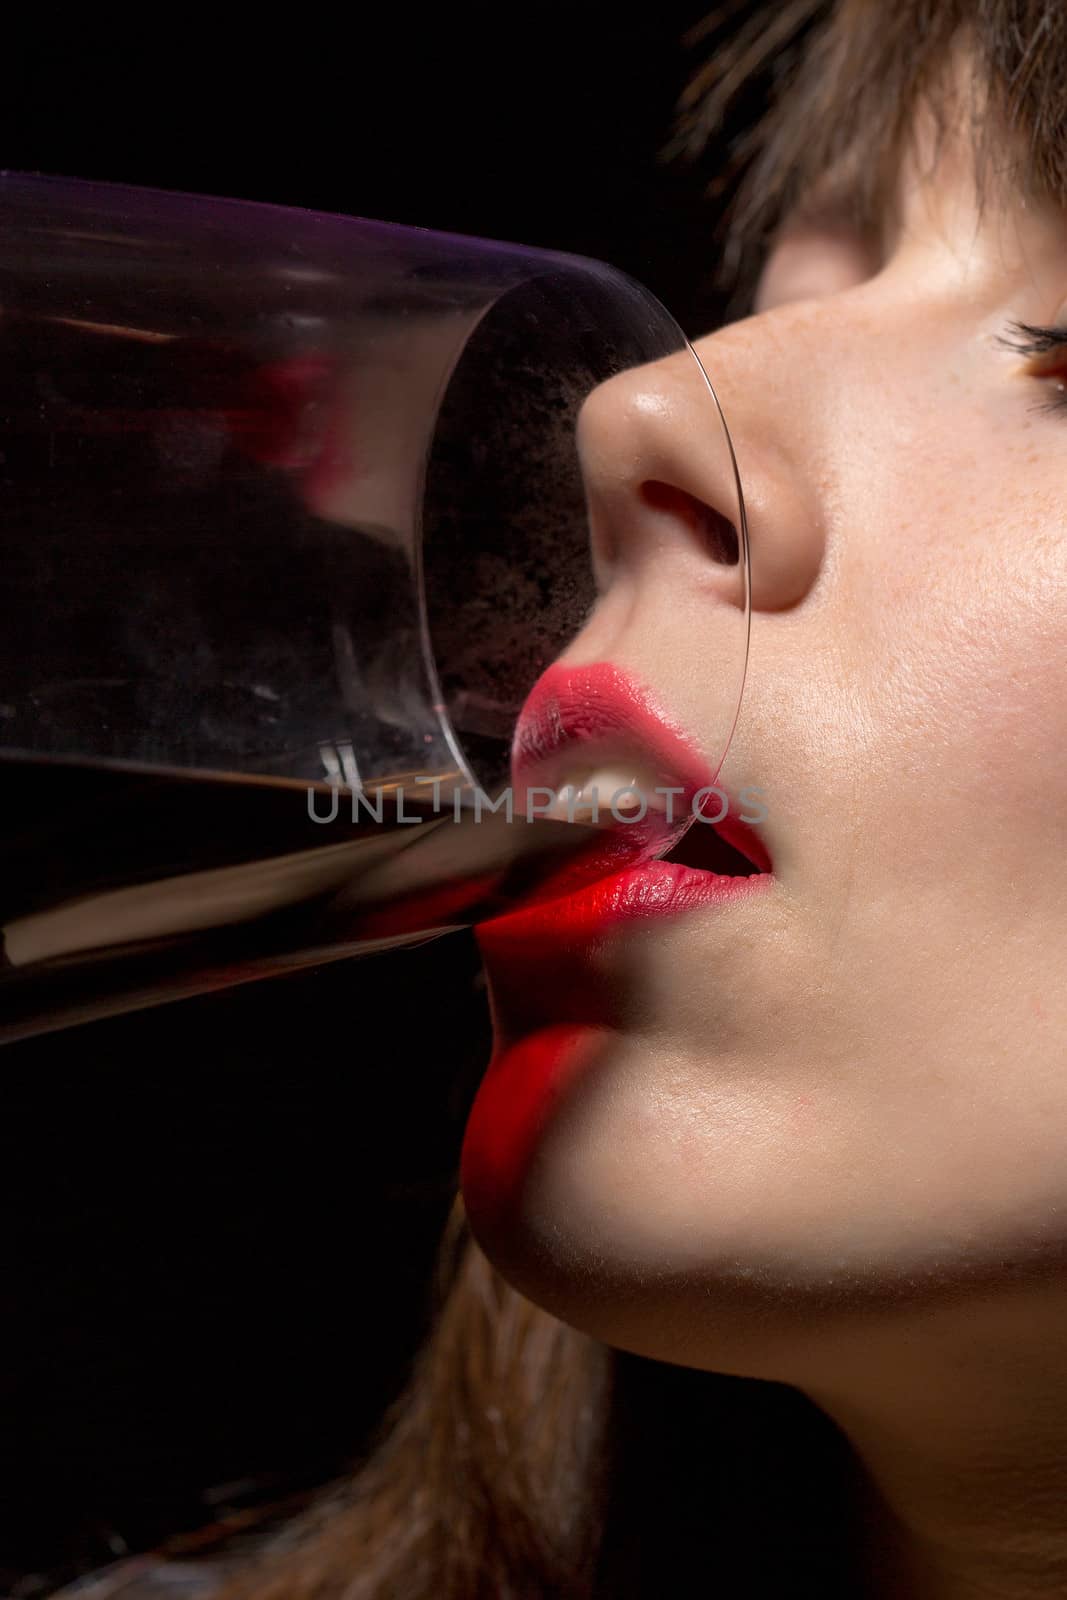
[582, 715]
[572, 710]
[587, 719]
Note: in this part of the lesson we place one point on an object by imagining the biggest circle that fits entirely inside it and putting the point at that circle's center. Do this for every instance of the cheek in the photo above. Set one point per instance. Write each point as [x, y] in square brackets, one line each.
[953, 794]
[975, 688]
[948, 611]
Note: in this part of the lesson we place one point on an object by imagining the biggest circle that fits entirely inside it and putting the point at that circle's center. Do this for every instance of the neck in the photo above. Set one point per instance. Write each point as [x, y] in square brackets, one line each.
[960, 1422]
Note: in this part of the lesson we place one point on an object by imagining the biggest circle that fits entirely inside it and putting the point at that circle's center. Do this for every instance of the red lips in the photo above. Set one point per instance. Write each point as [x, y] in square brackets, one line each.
[574, 710]
[572, 715]
[571, 707]
[552, 1001]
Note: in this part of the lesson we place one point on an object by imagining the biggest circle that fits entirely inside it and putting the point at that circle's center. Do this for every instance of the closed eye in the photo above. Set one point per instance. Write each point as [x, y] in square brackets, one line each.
[1046, 348]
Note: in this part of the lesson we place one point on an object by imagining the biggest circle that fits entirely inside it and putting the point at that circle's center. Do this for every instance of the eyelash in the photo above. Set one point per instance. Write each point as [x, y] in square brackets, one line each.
[1027, 339]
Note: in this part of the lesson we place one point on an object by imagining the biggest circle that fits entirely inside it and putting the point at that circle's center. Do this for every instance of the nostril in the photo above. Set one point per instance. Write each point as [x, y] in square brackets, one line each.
[716, 532]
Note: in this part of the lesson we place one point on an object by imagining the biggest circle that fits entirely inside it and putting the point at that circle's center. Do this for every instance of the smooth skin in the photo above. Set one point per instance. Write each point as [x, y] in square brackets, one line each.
[823, 1139]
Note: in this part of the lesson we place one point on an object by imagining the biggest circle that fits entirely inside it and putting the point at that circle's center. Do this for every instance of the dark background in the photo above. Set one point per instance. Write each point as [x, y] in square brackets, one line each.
[219, 1217]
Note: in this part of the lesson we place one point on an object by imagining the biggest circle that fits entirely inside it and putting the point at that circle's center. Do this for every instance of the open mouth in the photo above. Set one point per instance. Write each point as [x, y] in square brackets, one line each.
[703, 848]
[587, 733]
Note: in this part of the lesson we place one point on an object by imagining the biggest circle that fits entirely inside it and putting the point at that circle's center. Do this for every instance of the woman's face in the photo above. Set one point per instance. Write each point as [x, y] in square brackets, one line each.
[849, 1086]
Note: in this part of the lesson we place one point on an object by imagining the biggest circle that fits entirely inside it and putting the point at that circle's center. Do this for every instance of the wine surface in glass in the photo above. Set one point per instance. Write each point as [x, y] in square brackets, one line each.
[122, 887]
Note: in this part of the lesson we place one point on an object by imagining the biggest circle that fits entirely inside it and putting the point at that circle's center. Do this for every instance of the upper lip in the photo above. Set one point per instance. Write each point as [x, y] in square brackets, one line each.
[596, 716]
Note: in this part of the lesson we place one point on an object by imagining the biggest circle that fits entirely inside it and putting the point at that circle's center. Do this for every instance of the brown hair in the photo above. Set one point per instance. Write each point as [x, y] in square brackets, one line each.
[826, 96]
[524, 1460]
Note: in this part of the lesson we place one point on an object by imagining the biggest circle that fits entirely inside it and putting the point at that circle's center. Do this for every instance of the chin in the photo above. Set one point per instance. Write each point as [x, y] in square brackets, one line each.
[624, 1294]
[707, 1240]
[579, 1195]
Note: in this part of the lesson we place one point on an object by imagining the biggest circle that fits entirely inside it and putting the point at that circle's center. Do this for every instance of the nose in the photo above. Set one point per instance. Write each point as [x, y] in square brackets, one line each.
[659, 471]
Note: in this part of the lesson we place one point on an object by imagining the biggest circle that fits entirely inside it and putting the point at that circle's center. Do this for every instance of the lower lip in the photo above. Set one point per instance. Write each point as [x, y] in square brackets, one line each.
[657, 889]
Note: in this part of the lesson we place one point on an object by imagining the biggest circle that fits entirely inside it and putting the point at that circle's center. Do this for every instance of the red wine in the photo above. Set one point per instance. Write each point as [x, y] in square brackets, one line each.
[122, 887]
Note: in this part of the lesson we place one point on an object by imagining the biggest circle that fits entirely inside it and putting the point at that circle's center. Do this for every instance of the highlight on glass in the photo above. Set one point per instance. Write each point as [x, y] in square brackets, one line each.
[292, 501]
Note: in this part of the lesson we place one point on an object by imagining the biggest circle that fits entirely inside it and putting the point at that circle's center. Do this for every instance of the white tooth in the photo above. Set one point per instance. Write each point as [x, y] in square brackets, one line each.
[587, 796]
[565, 805]
[606, 782]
